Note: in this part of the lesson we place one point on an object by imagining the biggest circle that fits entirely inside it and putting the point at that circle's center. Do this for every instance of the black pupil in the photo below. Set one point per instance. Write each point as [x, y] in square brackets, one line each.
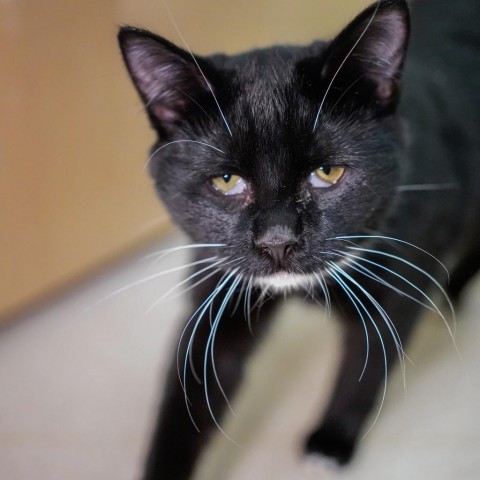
[327, 170]
[227, 177]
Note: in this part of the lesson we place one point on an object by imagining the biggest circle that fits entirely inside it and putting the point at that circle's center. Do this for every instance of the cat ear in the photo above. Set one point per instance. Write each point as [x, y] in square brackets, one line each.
[166, 77]
[364, 62]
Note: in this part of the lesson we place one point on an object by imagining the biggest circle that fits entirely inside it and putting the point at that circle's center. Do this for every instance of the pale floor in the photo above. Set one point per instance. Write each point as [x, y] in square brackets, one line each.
[80, 382]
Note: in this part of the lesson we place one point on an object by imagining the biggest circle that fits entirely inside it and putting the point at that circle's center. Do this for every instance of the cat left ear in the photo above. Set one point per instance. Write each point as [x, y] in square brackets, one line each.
[364, 63]
[166, 77]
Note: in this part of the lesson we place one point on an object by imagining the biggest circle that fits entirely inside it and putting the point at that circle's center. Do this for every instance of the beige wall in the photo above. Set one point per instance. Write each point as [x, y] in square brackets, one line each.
[73, 193]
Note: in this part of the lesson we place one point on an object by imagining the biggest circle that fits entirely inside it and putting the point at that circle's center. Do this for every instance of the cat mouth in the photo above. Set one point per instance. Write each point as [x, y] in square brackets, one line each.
[285, 281]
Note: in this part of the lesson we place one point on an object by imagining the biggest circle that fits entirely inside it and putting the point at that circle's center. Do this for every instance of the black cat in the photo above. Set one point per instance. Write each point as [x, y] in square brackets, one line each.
[337, 167]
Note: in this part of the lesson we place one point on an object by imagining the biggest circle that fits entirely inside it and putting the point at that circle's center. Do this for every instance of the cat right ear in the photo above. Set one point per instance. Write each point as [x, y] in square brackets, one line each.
[166, 77]
[364, 62]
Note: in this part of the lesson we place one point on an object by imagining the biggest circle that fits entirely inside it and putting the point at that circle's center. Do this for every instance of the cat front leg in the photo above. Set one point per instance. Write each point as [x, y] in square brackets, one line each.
[360, 386]
[183, 433]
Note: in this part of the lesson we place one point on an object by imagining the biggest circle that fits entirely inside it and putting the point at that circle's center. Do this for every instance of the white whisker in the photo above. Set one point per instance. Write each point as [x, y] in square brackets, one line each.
[368, 273]
[148, 279]
[163, 253]
[211, 274]
[382, 237]
[185, 328]
[428, 187]
[386, 318]
[199, 313]
[248, 304]
[149, 159]
[210, 347]
[384, 394]
[423, 272]
[323, 285]
[352, 298]
[343, 63]
[183, 282]
[346, 91]
[240, 294]
[169, 12]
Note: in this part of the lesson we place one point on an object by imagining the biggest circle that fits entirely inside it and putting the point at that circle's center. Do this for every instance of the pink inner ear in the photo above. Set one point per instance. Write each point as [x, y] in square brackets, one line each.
[386, 90]
[381, 52]
[388, 42]
[167, 115]
[154, 69]
[373, 45]
[168, 83]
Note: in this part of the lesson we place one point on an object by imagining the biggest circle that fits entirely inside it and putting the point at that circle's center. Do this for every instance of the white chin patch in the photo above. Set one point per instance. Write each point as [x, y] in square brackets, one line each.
[283, 281]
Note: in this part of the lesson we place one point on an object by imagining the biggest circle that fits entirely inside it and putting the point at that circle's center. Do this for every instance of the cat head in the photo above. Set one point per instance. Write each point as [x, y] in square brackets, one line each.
[275, 153]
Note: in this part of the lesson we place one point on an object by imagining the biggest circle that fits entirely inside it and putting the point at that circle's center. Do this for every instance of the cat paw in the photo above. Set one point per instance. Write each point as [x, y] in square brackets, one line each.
[332, 444]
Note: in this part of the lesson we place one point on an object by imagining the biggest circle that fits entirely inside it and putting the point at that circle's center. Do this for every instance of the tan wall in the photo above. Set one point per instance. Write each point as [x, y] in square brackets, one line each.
[73, 193]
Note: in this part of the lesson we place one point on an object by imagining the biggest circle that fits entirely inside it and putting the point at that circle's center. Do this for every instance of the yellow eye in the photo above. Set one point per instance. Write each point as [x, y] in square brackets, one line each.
[229, 184]
[326, 176]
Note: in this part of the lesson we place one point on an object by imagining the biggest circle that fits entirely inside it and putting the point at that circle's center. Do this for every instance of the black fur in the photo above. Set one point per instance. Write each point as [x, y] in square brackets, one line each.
[406, 134]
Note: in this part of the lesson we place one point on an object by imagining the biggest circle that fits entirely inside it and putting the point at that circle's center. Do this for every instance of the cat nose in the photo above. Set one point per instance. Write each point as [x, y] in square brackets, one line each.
[278, 252]
[278, 243]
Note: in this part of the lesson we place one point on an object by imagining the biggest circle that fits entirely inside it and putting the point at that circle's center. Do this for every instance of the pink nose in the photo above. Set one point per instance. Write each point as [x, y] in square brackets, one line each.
[278, 252]
[278, 243]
